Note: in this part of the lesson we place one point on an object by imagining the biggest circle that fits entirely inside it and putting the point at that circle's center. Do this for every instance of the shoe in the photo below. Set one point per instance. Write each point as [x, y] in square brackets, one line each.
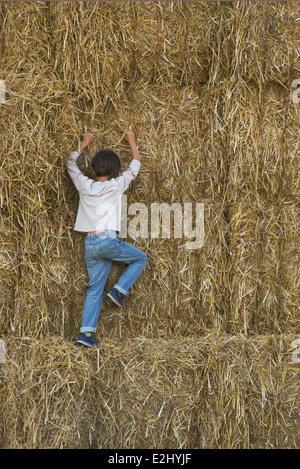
[116, 296]
[87, 341]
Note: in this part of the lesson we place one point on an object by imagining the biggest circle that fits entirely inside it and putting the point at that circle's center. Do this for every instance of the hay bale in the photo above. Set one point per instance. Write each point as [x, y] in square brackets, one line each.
[262, 226]
[264, 268]
[180, 393]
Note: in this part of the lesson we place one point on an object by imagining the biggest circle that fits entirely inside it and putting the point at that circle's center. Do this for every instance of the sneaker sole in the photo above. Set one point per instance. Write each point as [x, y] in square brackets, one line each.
[114, 300]
[86, 344]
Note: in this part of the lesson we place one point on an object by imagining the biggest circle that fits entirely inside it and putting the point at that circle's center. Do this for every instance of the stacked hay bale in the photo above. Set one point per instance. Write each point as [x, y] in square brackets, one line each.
[200, 356]
[213, 392]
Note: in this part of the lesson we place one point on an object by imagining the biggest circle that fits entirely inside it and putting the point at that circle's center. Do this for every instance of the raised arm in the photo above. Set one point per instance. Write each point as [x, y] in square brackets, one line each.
[129, 135]
[131, 173]
[75, 174]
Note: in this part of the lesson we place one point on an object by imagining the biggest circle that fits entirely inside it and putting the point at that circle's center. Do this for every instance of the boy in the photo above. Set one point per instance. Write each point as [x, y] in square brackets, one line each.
[99, 215]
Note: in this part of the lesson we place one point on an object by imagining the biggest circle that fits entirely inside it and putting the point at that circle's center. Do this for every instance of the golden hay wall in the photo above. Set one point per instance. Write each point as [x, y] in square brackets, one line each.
[200, 356]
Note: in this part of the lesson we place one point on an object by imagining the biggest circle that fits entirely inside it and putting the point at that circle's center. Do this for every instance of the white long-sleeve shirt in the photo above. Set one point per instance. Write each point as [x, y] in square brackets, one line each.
[99, 202]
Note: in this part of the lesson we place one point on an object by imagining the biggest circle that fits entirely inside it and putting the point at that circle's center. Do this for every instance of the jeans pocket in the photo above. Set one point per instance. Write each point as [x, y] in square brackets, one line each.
[108, 248]
[90, 254]
[115, 246]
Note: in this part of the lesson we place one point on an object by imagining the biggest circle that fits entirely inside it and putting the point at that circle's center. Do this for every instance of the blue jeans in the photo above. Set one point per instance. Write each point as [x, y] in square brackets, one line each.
[99, 254]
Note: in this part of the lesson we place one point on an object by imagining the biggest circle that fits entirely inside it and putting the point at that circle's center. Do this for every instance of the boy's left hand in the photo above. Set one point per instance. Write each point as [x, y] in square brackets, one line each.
[88, 137]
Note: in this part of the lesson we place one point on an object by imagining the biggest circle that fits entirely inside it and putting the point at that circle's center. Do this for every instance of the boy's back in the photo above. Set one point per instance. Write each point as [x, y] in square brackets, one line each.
[100, 201]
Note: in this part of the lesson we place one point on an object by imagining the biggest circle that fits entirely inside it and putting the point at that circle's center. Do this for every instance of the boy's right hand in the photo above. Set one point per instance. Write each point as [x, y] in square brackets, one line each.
[129, 135]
